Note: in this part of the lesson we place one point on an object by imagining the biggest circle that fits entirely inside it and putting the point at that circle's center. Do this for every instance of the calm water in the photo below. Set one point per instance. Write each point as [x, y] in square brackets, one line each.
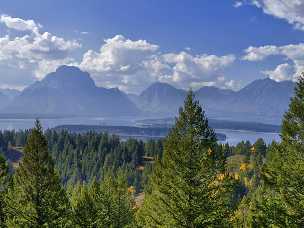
[233, 137]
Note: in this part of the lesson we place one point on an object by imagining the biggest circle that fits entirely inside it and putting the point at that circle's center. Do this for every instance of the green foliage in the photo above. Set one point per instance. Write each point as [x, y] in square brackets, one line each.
[185, 189]
[188, 181]
[3, 188]
[105, 204]
[36, 198]
[279, 200]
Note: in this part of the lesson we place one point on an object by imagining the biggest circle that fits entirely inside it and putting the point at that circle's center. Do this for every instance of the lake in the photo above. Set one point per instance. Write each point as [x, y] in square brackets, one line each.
[233, 136]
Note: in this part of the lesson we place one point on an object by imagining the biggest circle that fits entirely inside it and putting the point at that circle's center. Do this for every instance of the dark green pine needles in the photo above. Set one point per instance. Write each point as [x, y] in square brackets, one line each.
[188, 187]
[36, 198]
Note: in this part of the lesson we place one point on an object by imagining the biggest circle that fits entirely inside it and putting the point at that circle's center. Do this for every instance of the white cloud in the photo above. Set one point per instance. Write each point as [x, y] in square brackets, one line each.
[220, 82]
[290, 10]
[238, 4]
[260, 53]
[293, 53]
[128, 64]
[281, 73]
[35, 49]
[119, 55]
[20, 24]
[183, 69]
[131, 65]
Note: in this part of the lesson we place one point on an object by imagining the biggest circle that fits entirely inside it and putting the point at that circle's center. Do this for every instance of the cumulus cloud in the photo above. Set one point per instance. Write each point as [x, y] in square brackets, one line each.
[130, 65]
[34, 49]
[290, 10]
[120, 62]
[184, 70]
[293, 53]
[20, 24]
[281, 73]
[119, 55]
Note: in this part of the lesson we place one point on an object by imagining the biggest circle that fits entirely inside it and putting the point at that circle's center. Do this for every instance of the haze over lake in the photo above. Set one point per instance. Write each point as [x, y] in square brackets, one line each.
[233, 136]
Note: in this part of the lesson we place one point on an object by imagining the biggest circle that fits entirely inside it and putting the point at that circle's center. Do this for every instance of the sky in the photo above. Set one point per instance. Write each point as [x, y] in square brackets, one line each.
[131, 44]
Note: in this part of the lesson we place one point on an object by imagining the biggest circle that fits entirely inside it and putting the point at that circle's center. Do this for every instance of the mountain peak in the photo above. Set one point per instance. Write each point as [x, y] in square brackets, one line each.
[161, 88]
[68, 77]
[69, 90]
[160, 85]
[68, 69]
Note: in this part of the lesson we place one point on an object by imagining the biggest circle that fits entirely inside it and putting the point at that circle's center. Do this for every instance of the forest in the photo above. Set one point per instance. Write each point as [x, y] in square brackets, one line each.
[62, 179]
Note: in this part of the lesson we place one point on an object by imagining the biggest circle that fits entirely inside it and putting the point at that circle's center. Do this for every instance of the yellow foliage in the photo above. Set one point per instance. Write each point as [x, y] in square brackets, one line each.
[221, 176]
[131, 189]
[253, 149]
[236, 176]
[243, 167]
[209, 151]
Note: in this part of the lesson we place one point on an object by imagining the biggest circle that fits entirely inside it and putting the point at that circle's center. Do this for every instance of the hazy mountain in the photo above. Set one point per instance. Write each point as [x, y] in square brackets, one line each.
[71, 91]
[4, 100]
[263, 100]
[160, 98]
[10, 93]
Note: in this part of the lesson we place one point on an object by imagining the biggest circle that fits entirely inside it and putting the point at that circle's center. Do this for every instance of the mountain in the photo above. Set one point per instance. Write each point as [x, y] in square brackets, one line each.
[160, 98]
[4, 100]
[263, 100]
[6, 96]
[10, 93]
[70, 91]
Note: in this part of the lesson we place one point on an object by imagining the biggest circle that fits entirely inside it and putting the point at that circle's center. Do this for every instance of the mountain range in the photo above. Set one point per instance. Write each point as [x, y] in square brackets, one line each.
[263, 100]
[70, 91]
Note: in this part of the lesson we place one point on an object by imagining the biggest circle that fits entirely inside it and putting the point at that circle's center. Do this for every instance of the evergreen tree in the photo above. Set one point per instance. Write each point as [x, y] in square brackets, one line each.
[188, 187]
[104, 204]
[285, 167]
[279, 202]
[36, 198]
[3, 187]
[114, 202]
[84, 202]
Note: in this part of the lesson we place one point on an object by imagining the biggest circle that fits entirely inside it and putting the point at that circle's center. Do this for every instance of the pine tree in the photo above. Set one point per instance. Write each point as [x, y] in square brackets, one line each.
[114, 203]
[84, 202]
[104, 204]
[3, 188]
[189, 187]
[36, 198]
[279, 202]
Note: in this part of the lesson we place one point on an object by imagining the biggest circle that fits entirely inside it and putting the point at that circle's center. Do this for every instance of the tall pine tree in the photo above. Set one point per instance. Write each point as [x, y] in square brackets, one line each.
[188, 187]
[3, 188]
[279, 201]
[36, 198]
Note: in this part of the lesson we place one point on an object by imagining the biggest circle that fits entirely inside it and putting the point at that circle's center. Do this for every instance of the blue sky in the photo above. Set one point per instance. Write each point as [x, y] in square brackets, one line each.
[130, 44]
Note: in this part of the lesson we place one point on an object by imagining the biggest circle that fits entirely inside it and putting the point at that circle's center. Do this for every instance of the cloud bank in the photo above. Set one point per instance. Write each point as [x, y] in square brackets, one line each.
[33, 48]
[132, 65]
[293, 55]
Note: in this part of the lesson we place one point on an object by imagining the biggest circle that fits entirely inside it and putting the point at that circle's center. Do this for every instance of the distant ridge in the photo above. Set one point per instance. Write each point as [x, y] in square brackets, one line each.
[263, 100]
